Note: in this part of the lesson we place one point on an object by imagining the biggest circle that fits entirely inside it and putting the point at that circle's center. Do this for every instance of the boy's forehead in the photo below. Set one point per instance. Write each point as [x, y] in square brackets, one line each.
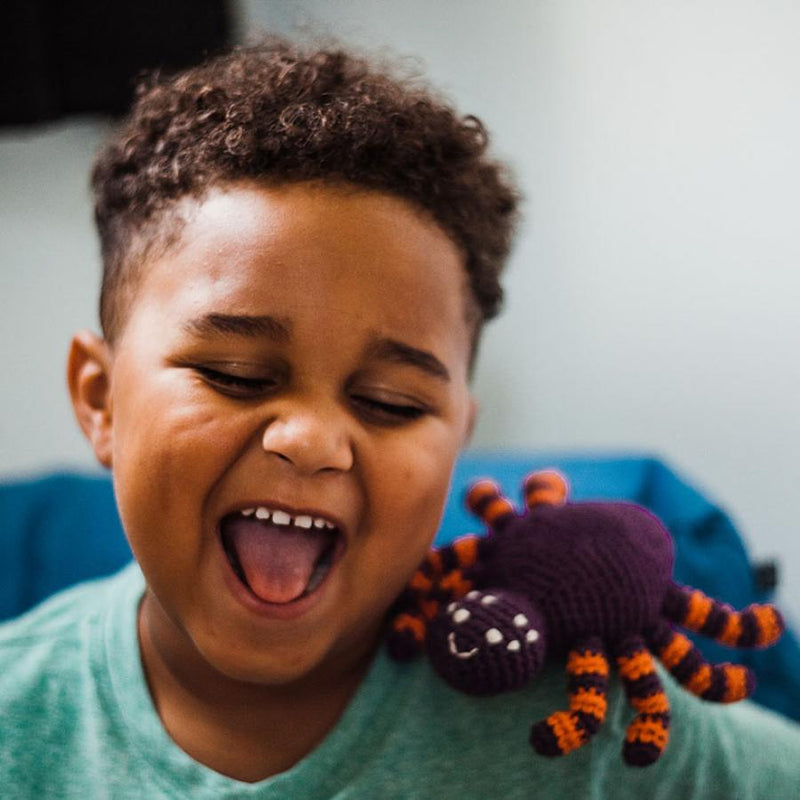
[244, 247]
[295, 214]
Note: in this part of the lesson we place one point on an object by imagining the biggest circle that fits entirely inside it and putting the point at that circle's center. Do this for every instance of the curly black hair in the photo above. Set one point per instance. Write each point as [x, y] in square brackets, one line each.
[280, 114]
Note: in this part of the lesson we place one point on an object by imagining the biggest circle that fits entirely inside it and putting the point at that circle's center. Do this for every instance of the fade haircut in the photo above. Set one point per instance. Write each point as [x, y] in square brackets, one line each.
[278, 114]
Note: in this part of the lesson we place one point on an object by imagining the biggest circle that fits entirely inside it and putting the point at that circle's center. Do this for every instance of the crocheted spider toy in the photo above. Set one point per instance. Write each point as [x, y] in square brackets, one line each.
[581, 580]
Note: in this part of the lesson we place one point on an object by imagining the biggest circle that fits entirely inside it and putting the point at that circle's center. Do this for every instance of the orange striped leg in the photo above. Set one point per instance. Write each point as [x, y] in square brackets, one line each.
[754, 626]
[486, 501]
[587, 687]
[721, 683]
[413, 608]
[406, 636]
[459, 564]
[545, 487]
[446, 574]
[648, 734]
[409, 617]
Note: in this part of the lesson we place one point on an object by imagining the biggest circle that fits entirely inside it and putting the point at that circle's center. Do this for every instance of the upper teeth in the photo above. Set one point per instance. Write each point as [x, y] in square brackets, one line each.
[279, 517]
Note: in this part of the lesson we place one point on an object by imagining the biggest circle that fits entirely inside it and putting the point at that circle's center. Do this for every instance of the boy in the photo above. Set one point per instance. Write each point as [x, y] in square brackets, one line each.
[299, 254]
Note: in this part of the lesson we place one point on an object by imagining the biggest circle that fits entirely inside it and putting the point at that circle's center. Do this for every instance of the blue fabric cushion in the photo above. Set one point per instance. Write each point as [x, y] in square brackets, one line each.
[55, 531]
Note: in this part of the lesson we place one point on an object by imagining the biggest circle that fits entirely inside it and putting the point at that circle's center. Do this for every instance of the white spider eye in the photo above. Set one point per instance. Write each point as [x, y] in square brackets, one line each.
[514, 646]
[462, 615]
[452, 607]
[520, 620]
[532, 636]
[488, 599]
[473, 595]
[493, 636]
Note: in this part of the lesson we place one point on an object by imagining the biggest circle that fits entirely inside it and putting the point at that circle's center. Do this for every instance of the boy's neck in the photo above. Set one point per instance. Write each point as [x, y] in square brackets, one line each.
[243, 730]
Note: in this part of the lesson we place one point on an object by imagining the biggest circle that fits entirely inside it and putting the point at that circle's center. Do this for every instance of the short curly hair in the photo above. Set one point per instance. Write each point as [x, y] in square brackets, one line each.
[279, 114]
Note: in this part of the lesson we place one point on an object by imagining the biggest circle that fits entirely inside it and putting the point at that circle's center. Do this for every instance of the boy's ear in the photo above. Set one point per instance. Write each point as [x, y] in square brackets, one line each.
[89, 380]
[471, 420]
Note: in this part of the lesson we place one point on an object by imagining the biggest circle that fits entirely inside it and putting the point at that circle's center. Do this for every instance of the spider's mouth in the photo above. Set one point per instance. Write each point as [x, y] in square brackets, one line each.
[452, 646]
[279, 558]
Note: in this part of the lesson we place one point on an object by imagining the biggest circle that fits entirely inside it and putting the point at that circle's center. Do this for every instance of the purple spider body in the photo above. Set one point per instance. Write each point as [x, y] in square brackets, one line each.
[599, 569]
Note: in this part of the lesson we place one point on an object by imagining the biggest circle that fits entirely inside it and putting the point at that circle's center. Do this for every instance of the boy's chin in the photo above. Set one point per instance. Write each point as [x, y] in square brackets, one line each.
[273, 673]
[207, 660]
[287, 667]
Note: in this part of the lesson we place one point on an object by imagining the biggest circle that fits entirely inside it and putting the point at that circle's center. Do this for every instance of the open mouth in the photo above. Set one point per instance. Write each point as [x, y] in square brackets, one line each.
[278, 557]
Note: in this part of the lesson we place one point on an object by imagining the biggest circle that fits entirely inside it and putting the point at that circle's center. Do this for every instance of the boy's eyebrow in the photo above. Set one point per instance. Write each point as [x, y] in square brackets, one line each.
[392, 350]
[240, 325]
[281, 331]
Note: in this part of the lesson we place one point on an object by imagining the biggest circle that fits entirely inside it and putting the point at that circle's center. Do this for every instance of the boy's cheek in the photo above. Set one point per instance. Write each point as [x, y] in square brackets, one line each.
[168, 415]
[414, 500]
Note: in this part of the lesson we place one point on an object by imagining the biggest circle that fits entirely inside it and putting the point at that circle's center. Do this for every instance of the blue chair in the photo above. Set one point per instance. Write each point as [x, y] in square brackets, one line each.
[63, 528]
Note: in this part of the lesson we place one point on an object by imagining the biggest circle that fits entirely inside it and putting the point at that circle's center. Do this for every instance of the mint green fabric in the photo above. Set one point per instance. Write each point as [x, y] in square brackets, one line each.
[77, 722]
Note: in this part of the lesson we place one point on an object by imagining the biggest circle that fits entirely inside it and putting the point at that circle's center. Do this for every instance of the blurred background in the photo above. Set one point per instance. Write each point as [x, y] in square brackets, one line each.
[653, 292]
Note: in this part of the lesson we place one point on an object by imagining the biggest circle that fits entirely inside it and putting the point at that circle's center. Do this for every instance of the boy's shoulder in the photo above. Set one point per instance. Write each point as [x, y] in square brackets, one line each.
[715, 751]
[60, 614]
[54, 684]
[56, 637]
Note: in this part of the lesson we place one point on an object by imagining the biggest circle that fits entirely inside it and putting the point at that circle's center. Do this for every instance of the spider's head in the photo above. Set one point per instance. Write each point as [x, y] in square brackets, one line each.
[487, 642]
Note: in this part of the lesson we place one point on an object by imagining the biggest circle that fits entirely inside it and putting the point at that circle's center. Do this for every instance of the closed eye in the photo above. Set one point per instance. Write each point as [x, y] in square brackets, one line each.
[235, 385]
[375, 409]
[381, 411]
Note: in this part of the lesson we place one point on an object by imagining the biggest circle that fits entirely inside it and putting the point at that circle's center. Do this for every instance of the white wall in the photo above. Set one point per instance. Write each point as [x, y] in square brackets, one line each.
[652, 299]
[652, 295]
[49, 273]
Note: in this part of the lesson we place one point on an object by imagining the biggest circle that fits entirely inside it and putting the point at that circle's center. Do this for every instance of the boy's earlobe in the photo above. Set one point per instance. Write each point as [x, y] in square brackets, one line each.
[89, 381]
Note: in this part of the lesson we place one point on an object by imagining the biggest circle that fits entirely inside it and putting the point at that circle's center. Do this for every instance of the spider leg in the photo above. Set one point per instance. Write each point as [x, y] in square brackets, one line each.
[648, 734]
[545, 487]
[587, 687]
[446, 574]
[459, 565]
[755, 626]
[721, 683]
[486, 501]
[406, 636]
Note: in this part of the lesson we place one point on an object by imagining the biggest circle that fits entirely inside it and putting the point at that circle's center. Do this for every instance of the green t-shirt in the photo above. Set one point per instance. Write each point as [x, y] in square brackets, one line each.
[77, 721]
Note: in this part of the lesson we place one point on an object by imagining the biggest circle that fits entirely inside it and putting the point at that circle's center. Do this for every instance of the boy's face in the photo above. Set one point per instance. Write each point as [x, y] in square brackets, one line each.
[304, 350]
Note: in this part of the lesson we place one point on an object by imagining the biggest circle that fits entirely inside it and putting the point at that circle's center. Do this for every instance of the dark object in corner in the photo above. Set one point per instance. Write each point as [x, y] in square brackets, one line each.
[83, 56]
[765, 574]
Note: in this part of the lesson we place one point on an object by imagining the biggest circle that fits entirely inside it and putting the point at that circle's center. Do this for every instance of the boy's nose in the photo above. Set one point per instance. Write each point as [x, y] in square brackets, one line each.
[310, 440]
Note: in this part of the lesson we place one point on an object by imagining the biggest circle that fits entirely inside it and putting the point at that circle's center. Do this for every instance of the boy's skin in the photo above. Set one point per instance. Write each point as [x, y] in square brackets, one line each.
[356, 408]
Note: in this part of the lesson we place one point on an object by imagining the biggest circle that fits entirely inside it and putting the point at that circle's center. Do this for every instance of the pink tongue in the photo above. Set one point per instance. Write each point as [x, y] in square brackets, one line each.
[277, 560]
